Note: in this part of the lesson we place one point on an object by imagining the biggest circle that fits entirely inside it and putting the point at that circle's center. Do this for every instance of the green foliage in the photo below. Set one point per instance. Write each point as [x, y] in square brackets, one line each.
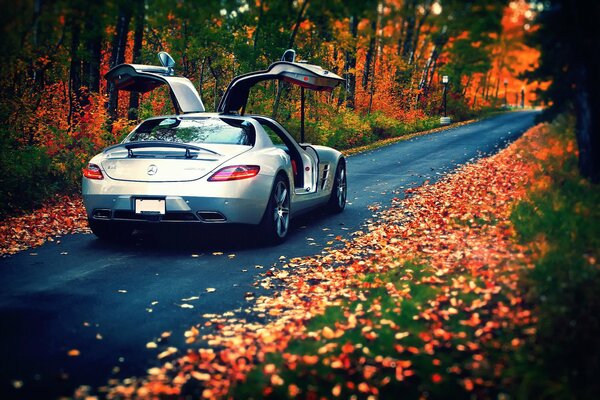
[27, 176]
[564, 219]
[347, 129]
[384, 127]
[459, 109]
[420, 125]
[34, 173]
[69, 157]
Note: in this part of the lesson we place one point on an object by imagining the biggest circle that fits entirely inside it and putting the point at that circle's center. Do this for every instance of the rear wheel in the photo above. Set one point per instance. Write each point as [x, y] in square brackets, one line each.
[276, 221]
[339, 192]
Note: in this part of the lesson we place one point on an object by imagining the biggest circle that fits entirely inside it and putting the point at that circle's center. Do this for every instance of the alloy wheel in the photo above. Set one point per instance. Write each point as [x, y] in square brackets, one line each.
[281, 209]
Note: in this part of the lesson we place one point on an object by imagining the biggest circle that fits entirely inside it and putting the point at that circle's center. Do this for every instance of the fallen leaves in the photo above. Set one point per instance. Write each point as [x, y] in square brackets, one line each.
[60, 216]
[168, 352]
[463, 290]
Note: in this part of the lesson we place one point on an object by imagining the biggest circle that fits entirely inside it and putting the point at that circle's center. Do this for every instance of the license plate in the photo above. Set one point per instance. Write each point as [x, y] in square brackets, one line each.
[150, 206]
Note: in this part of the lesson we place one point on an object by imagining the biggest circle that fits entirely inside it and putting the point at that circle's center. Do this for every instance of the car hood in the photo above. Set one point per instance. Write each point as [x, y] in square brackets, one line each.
[166, 164]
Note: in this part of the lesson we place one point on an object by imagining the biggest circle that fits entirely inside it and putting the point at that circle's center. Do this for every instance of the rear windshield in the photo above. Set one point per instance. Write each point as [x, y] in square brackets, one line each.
[196, 130]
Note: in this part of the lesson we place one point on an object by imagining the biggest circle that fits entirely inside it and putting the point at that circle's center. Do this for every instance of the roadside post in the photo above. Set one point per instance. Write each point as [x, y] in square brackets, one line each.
[445, 120]
[505, 93]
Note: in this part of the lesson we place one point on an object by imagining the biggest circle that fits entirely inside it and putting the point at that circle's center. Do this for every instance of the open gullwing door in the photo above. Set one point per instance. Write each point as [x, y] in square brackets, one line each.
[144, 78]
[308, 76]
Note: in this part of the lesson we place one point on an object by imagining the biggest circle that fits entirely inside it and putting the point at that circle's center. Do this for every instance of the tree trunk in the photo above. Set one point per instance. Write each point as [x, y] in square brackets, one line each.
[485, 85]
[138, 36]
[429, 69]
[37, 12]
[299, 19]
[216, 74]
[377, 55]
[417, 33]
[93, 45]
[466, 87]
[118, 56]
[497, 89]
[282, 86]
[407, 43]
[351, 64]
[261, 11]
[587, 129]
[92, 42]
[369, 56]
[201, 79]
[75, 94]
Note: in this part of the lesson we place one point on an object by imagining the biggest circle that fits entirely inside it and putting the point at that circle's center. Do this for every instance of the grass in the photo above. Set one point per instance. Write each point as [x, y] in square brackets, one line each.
[561, 222]
[347, 363]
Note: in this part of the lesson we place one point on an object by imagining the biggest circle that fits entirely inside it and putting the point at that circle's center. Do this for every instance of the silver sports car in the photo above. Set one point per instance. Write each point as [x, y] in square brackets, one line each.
[212, 168]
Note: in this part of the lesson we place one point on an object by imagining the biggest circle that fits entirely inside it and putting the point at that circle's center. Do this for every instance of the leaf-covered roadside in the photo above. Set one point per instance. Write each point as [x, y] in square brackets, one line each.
[60, 216]
[560, 221]
[427, 302]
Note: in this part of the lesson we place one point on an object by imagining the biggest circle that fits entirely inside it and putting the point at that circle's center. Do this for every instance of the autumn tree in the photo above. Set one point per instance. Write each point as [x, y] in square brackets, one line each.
[568, 38]
[117, 56]
[138, 36]
[471, 31]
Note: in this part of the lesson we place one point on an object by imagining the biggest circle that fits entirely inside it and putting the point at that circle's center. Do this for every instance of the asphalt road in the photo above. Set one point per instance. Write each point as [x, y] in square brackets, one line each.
[108, 301]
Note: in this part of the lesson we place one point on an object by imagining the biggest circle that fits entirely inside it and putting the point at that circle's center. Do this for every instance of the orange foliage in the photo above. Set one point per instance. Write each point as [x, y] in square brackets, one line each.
[511, 58]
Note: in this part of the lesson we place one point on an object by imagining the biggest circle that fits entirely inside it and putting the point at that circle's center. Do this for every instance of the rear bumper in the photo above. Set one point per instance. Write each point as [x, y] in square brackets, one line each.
[233, 202]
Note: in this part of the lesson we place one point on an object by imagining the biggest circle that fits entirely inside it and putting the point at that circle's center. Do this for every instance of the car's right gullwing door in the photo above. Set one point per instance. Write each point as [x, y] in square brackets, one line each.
[308, 76]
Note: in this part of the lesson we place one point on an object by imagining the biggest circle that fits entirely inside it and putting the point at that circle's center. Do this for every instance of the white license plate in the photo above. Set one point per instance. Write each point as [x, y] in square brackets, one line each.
[150, 206]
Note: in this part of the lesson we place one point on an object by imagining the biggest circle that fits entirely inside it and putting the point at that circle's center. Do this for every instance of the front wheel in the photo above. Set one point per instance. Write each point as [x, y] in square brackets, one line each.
[339, 191]
[276, 221]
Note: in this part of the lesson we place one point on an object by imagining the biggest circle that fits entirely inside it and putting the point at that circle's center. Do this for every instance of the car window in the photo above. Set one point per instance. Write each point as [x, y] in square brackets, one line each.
[272, 135]
[196, 130]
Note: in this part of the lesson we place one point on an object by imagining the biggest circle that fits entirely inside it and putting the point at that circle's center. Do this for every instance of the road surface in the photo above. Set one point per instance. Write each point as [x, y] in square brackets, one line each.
[108, 301]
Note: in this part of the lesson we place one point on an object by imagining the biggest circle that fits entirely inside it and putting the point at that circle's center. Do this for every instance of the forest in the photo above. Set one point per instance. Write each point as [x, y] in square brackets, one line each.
[57, 109]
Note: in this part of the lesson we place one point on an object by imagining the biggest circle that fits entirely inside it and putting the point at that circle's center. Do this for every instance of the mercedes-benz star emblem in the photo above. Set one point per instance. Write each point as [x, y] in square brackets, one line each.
[152, 169]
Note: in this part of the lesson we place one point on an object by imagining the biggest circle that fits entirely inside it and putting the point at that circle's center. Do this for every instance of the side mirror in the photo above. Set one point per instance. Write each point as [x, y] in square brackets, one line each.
[166, 60]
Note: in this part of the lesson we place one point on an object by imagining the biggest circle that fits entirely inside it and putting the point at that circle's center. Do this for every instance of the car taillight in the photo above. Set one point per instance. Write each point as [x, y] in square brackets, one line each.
[92, 171]
[234, 173]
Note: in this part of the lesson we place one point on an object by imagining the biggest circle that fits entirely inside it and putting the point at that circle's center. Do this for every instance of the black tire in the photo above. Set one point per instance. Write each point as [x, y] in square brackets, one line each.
[339, 191]
[108, 231]
[275, 223]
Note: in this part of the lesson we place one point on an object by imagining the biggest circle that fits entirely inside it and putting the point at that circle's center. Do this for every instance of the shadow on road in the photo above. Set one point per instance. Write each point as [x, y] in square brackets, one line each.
[176, 239]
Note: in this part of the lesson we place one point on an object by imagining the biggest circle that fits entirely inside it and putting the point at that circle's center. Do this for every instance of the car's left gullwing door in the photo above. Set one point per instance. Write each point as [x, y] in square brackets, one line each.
[144, 78]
